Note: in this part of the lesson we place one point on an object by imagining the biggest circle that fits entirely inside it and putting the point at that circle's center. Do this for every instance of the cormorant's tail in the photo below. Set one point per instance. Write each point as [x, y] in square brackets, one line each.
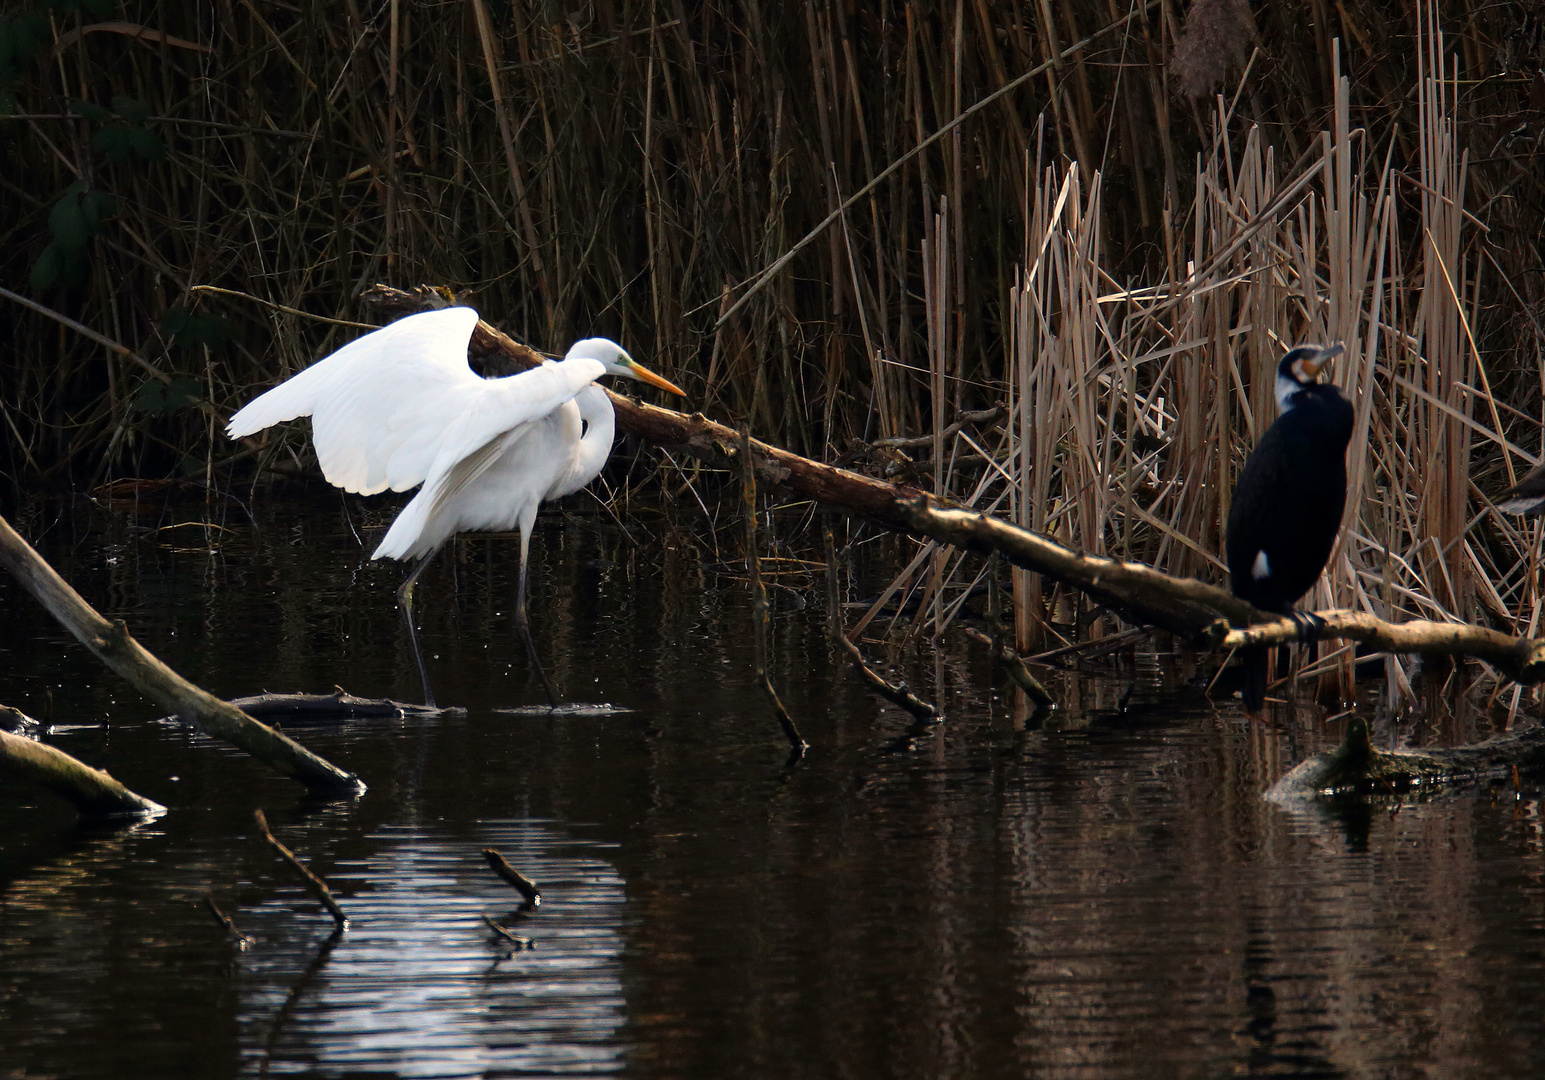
[1254, 660]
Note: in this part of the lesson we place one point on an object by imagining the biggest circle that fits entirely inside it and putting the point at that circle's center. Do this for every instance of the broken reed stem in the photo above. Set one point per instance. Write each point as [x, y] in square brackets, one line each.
[897, 693]
[314, 884]
[93, 792]
[759, 612]
[1014, 665]
[242, 940]
[523, 885]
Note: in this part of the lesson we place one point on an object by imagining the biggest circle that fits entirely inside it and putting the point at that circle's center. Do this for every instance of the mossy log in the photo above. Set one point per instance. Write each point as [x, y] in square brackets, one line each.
[1356, 767]
[95, 794]
[112, 643]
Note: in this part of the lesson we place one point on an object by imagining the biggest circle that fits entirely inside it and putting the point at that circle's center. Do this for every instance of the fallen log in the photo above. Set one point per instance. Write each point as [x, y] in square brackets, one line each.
[112, 643]
[93, 792]
[1191, 609]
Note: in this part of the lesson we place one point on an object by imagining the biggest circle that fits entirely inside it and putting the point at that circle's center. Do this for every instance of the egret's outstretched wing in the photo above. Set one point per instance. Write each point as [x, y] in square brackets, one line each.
[378, 396]
[400, 403]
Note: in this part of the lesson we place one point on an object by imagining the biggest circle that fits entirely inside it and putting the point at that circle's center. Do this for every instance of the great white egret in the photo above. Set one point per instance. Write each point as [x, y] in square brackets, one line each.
[400, 407]
[1289, 498]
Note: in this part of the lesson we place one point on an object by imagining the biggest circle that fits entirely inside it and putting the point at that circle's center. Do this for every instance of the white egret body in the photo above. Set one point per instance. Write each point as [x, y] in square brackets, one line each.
[399, 407]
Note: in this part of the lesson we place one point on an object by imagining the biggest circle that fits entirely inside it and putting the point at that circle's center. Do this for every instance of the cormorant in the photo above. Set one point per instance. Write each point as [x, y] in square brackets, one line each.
[1289, 498]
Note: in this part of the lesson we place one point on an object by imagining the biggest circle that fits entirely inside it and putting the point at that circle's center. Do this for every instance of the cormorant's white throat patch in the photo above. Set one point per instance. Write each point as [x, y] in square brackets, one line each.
[1286, 388]
[1261, 568]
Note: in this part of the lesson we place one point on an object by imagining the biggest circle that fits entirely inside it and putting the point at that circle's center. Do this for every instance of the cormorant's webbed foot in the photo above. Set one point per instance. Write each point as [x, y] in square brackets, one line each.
[1310, 625]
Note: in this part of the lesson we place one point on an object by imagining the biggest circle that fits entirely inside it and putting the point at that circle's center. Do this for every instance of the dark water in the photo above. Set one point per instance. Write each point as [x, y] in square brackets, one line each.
[1104, 896]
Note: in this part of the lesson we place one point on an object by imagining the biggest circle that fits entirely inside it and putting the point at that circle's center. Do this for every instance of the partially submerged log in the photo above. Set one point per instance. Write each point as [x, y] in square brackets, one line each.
[340, 705]
[112, 643]
[95, 794]
[1356, 767]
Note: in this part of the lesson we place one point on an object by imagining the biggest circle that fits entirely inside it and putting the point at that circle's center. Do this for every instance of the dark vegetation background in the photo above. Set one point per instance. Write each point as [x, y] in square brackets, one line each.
[629, 166]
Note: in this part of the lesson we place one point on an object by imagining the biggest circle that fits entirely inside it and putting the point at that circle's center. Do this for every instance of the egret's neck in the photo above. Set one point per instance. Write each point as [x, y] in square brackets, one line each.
[595, 445]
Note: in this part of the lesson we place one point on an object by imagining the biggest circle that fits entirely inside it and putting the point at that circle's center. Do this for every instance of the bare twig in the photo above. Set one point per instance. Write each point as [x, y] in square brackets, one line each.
[1014, 664]
[314, 885]
[759, 611]
[242, 940]
[524, 885]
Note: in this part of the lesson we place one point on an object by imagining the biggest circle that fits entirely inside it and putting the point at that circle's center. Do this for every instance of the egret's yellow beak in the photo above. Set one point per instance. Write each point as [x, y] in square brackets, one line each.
[639, 371]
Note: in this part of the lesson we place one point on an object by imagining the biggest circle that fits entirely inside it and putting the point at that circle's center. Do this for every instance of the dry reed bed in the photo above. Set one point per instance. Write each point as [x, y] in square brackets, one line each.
[1134, 407]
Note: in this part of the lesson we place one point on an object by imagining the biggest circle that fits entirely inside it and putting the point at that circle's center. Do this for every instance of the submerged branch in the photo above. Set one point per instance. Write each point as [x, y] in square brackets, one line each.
[523, 885]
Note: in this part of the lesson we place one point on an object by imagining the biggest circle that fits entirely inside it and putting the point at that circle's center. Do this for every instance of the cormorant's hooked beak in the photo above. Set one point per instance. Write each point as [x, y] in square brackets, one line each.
[639, 371]
[1308, 368]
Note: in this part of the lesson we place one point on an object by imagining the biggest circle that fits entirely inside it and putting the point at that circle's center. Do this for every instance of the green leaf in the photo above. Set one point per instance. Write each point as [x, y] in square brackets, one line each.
[90, 110]
[115, 141]
[7, 50]
[131, 109]
[181, 392]
[8, 104]
[49, 268]
[191, 329]
[150, 397]
[64, 7]
[68, 223]
[99, 8]
[146, 145]
[98, 206]
[156, 398]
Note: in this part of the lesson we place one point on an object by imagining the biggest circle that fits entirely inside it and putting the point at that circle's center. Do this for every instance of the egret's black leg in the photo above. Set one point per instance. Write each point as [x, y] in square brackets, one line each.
[525, 627]
[405, 602]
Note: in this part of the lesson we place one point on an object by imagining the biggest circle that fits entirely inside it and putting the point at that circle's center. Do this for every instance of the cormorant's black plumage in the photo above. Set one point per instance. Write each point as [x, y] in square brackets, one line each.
[1288, 501]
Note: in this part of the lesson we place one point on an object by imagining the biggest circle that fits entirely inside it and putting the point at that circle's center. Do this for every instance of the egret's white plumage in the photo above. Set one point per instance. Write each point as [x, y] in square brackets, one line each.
[399, 407]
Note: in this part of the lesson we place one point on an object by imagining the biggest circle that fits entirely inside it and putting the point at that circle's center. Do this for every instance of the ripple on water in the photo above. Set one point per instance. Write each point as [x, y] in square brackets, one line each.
[419, 986]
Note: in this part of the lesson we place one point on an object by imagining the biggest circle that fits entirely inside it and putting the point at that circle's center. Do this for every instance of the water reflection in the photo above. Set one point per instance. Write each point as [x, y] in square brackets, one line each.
[418, 987]
[1105, 895]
